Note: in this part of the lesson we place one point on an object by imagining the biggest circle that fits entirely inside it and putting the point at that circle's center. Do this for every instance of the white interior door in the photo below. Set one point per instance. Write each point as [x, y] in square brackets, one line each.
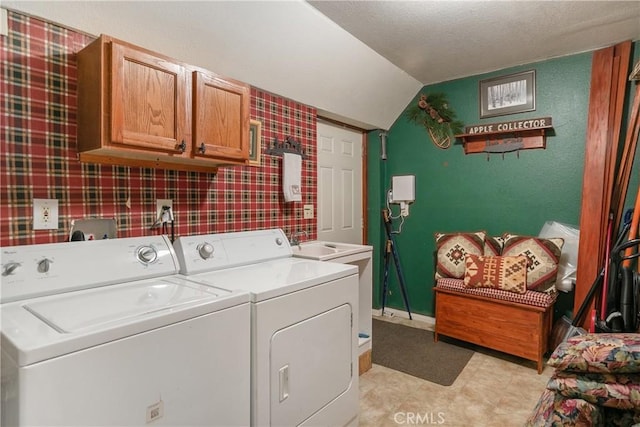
[339, 184]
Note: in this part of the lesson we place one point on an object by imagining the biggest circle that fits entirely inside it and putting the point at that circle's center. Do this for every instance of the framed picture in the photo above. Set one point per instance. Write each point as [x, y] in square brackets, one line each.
[515, 93]
[255, 138]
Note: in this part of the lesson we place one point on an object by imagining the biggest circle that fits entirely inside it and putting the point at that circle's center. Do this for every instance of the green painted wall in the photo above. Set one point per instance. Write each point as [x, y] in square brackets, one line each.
[458, 192]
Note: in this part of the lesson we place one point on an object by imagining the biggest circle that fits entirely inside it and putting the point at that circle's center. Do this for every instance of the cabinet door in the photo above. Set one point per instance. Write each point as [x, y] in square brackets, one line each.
[220, 118]
[149, 101]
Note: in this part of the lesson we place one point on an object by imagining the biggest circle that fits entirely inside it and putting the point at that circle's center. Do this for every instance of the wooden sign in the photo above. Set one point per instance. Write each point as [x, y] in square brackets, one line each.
[505, 137]
[517, 125]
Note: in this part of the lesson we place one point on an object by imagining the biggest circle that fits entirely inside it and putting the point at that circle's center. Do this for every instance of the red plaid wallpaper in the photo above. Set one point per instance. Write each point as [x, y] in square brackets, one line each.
[39, 157]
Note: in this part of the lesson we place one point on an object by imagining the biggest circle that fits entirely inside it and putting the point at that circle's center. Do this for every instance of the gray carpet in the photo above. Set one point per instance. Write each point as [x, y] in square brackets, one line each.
[412, 351]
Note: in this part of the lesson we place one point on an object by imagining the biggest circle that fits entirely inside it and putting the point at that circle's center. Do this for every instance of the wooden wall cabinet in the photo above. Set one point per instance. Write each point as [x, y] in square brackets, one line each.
[220, 118]
[140, 108]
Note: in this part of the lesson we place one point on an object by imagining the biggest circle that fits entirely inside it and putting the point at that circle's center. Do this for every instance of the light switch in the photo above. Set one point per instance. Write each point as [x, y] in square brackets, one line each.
[45, 214]
[308, 211]
[4, 22]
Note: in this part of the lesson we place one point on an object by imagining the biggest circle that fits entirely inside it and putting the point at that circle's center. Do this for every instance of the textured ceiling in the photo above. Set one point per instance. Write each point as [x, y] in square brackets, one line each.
[299, 50]
[435, 41]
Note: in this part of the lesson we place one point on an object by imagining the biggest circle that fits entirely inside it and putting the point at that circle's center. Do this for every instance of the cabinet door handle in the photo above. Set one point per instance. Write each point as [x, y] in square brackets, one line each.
[182, 147]
[202, 148]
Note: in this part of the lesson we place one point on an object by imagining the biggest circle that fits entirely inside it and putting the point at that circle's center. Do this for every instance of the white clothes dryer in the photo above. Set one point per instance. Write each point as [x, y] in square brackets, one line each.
[106, 333]
[304, 338]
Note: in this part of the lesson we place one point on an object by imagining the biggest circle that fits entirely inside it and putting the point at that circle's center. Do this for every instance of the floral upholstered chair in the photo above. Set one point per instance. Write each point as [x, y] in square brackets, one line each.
[596, 383]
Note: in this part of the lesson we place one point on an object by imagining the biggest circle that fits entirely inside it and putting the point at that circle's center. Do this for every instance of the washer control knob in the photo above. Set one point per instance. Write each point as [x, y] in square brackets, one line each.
[147, 254]
[278, 241]
[9, 268]
[205, 250]
[44, 265]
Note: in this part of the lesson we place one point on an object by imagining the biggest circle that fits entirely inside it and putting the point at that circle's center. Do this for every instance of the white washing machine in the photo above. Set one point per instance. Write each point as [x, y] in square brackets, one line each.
[304, 338]
[107, 333]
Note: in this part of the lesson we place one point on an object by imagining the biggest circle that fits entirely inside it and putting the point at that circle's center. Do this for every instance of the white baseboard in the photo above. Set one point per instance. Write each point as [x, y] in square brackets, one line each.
[392, 312]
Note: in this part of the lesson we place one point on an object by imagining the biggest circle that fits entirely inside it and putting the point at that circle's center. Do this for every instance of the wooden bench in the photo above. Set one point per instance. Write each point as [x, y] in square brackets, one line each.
[516, 324]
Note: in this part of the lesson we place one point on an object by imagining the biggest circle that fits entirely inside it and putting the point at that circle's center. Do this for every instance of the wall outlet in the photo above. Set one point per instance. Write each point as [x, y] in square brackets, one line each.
[45, 214]
[160, 203]
[308, 211]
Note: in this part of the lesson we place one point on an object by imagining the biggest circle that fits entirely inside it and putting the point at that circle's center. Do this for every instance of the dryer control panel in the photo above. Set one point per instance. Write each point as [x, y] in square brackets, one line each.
[209, 252]
[36, 270]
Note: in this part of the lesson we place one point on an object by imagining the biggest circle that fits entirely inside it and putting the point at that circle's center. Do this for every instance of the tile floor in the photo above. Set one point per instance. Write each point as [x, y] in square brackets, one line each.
[492, 390]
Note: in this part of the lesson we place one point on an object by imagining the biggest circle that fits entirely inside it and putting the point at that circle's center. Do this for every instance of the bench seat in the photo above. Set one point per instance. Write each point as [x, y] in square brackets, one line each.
[516, 324]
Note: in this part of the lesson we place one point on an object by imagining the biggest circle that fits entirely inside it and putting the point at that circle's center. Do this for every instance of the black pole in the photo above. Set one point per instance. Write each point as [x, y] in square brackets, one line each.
[396, 258]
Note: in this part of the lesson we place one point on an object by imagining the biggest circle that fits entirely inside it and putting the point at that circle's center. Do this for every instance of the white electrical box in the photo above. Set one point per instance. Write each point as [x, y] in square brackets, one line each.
[403, 189]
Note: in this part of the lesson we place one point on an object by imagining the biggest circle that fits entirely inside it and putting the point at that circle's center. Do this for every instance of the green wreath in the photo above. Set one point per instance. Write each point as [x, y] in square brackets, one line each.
[433, 112]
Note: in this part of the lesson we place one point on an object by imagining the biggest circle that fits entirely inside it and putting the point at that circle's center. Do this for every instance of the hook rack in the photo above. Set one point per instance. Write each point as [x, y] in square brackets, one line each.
[289, 145]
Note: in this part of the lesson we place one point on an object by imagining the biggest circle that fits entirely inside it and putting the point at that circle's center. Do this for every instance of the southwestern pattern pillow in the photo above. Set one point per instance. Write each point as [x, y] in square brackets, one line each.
[451, 249]
[617, 353]
[543, 256]
[497, 272]
[493, 245]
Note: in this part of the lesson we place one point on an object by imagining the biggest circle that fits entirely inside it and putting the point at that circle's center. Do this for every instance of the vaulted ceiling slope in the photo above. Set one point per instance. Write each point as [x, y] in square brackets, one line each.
[436, 41]
[292, 49]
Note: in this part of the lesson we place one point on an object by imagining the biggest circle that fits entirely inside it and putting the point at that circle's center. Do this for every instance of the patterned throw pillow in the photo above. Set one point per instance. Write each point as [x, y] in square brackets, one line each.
[553, 409]
[451, 249]
[493, 245]
[620, 391]
[543, 256]
[603, 353]
[497, 272]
